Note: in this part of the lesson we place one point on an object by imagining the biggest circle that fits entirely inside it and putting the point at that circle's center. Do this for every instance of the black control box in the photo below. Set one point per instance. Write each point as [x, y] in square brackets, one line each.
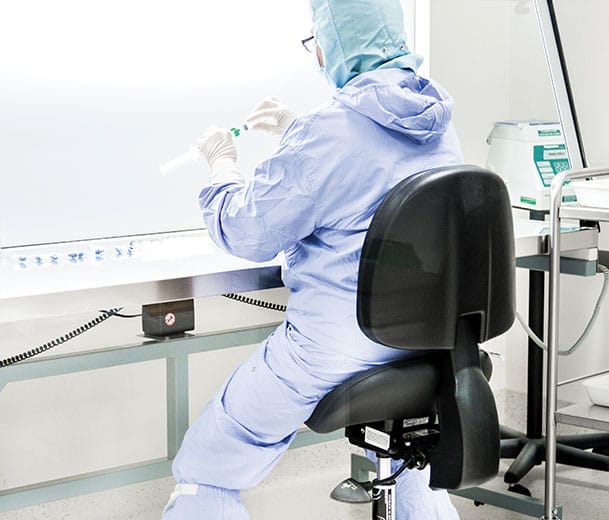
[168, 319]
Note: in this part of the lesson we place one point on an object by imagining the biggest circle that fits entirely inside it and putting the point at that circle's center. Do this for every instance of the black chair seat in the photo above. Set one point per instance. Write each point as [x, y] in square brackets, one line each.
[393, 391]
[406, 388]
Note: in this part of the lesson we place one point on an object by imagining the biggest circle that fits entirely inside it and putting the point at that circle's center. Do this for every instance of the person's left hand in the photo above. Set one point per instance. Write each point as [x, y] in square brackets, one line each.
[271, 115]
[218, 148]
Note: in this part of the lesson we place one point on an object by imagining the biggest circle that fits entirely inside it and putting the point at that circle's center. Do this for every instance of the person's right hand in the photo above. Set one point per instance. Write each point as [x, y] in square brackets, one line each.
[270, 115]
[218, 148]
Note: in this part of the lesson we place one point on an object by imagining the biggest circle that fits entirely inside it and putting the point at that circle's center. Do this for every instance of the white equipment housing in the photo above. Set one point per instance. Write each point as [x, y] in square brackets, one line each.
[528, 154]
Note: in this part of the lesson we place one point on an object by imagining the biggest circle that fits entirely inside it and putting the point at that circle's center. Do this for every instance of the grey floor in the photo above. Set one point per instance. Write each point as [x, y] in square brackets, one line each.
[298, 489]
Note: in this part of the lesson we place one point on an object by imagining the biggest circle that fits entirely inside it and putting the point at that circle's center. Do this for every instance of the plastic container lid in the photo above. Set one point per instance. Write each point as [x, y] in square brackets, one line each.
[592, 193]
[598, 390]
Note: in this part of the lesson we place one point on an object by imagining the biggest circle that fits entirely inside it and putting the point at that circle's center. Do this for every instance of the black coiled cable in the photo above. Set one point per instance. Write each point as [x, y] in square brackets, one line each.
[61, 340]
[256, 303]
[116, 312]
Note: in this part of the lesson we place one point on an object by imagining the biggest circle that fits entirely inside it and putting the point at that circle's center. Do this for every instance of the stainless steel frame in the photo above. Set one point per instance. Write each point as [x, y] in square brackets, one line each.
[556, 212]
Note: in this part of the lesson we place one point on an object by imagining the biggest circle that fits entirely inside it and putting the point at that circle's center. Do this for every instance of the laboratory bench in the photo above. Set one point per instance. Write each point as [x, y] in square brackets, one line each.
[54, 280]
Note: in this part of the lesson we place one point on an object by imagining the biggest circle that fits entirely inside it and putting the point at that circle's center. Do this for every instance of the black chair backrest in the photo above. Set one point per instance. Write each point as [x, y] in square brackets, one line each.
[440, 246]
[437, 273]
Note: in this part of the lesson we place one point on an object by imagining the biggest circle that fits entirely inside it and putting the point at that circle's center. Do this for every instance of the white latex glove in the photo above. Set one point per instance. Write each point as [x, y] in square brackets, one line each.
[271, 115]
[218, 148]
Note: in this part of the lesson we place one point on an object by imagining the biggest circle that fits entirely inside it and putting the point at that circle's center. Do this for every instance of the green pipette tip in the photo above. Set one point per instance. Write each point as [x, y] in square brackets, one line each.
[237, 131]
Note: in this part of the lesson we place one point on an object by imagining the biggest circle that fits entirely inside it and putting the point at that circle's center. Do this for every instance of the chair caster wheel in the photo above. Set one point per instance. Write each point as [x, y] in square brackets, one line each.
[521, 490]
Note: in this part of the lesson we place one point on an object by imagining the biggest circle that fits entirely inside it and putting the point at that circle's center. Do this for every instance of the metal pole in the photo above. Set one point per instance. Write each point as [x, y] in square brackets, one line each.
[177, 402]
[383, 496]
[552, 368]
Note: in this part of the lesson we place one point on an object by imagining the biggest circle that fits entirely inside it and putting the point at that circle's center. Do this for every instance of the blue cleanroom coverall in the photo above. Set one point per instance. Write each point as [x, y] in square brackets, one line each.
[313, 200]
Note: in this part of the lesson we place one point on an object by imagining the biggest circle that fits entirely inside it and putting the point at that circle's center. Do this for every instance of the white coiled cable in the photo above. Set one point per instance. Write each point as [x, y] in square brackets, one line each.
[567, 352]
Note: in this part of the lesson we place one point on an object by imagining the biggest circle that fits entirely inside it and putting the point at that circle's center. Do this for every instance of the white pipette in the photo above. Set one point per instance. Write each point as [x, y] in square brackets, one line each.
[194, 153]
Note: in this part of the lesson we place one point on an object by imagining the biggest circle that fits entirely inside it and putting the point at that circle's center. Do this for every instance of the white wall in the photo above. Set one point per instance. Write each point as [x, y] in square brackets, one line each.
[489, 55]
[469, 57]
[586, 53]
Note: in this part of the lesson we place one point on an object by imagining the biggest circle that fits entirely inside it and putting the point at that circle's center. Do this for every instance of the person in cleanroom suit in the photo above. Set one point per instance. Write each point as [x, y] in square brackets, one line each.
[313, 200]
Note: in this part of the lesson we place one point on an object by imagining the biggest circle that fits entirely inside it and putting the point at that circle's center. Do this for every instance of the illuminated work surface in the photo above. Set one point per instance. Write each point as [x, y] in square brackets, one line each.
[59, 279]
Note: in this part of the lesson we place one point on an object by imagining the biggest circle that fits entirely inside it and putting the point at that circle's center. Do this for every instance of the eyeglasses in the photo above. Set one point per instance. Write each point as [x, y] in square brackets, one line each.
[309, 43]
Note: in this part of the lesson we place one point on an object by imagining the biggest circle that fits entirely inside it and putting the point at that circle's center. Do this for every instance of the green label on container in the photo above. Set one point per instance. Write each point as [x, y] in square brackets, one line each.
[550, 159]
[549, 133]
[527, 200]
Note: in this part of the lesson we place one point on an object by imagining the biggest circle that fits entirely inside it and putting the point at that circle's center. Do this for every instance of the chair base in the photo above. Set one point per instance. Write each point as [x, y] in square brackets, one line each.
[570, 450]
[381, 491]
[350, 491]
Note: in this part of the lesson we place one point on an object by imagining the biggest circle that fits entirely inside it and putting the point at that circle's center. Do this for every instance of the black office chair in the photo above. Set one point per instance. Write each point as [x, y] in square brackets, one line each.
[436, 275]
